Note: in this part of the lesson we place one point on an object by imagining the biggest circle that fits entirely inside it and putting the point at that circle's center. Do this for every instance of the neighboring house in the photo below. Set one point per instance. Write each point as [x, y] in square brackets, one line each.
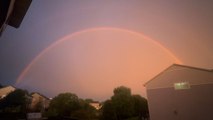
[181, 93]
[39, 102]
[6, 90]
[96, 105]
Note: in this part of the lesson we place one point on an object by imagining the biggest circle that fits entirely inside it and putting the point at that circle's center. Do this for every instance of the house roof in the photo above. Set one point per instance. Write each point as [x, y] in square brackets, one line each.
[178, 67]
[8, 86]
[40, 95]
[6, 90]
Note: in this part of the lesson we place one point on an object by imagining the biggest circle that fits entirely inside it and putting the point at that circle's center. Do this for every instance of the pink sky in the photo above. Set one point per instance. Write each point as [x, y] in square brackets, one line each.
[104, 57]
[93, 62]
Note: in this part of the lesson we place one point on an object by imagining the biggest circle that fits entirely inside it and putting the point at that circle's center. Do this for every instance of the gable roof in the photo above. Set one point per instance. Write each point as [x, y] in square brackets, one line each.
[40, 95]
[178, 67]
[6, 90]
[8, 86]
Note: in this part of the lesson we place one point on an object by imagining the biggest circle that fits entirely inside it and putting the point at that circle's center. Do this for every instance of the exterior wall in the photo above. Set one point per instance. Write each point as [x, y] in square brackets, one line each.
[195, 103]
[36, 98]
[180, 74]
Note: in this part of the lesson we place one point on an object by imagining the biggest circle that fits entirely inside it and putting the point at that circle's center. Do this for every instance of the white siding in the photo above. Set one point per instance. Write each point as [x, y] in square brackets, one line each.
[177, 74]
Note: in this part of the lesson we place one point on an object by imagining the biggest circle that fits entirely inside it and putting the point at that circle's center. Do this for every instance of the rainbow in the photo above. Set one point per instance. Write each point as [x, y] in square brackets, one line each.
[27, 68]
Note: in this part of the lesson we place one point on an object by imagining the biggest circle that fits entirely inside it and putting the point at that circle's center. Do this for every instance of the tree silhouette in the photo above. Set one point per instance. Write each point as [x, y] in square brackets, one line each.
[124, 105]
[63, 104]
[15, 101]
[140, 107]
[69, 105]
[122, 102]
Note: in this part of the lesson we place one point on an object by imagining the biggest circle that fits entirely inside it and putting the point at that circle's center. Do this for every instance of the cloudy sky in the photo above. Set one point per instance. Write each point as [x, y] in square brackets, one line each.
[89, 47]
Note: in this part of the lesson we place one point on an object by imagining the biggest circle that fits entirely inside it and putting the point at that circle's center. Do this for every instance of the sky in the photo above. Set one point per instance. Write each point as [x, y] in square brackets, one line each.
[91, 47]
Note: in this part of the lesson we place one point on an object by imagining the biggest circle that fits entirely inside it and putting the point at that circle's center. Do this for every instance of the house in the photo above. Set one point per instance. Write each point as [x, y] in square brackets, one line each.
[181, 93]
[6, 90]
[39, 102]
[96, 105]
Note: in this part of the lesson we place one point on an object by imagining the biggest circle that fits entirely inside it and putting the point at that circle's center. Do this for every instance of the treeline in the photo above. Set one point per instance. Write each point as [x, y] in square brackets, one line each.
[122, 106]
[15, 102]
[14, 105]
[70, 106]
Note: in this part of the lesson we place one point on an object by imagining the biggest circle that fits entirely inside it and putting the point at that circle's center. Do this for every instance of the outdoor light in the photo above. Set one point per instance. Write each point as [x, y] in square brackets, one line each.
[181, 85]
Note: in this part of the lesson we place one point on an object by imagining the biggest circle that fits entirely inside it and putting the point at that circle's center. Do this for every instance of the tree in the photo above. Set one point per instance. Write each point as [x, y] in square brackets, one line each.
[140, 107]
[86, 111]
[69, 105]
[15, 101]
[89, 100]
[124, 105]
[122, 102]
[108, 111]
[63, 105]
[122, 90]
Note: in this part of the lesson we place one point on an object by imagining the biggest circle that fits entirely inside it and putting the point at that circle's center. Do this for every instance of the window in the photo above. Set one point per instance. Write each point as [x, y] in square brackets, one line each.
[181, 85]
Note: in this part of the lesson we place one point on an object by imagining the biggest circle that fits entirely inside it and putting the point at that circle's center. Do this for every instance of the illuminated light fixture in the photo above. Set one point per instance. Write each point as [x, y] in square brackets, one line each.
[181, 85]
